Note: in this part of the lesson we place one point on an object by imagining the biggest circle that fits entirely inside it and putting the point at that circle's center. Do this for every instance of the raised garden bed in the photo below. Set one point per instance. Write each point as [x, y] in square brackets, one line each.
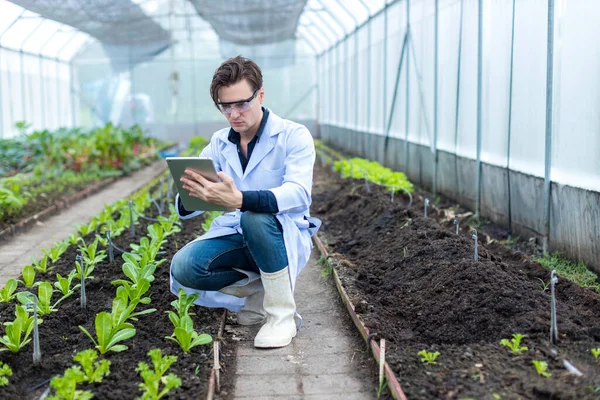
[415, 283]
[61, 337]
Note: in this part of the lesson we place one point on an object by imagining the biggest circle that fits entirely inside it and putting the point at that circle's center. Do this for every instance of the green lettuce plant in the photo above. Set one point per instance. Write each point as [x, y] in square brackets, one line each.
[8, 291]
[109, 335]
[41, 266]
[186, 336]
[44, 304]
[28, 276]
[65, 387]
[17, 332]
[5, 371]
[55, 252]
[93, 371]
[63, 284]
[154, 377]
[514, 344]
[541, 368]
[182, 306]
[428, 357]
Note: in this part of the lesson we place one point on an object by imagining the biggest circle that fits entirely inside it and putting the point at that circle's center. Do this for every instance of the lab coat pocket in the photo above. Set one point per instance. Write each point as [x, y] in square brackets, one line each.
[269, 178]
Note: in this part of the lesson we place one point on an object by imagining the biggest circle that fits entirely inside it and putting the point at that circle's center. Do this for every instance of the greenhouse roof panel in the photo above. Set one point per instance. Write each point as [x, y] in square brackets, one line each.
[249, 22]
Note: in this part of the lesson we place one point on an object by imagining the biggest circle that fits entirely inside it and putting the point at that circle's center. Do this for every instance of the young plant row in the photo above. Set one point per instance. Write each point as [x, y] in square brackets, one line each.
[360, 168]
[44, 161]
[18, 332]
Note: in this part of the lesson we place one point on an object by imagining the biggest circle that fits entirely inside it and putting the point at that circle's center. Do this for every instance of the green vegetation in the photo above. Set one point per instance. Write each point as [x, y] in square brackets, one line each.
[514, 344]
[576, 272]
[428, 357]
[541, 368]
[359, 168]
[154, 377]
[5, 371]
[17, 332]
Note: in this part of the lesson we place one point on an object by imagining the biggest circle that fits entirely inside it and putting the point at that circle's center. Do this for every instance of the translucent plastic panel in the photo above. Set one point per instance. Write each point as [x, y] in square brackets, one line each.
[576, 137]
[497, 17]
[41, 34]
[421, 59]
[20, 32]
[467, 107]
[9, 12]
[529, 87]
[74, 45]
[59, 43]
[449, 35]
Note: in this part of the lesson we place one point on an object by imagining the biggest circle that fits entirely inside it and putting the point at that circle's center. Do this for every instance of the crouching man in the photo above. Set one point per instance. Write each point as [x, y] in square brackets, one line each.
[249, 259]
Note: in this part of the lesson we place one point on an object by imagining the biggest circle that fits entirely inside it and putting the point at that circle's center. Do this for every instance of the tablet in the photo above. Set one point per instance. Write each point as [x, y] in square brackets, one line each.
[205, 167]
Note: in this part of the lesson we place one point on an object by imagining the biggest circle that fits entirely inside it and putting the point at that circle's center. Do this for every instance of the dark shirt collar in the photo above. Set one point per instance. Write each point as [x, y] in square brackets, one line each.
[234, 137]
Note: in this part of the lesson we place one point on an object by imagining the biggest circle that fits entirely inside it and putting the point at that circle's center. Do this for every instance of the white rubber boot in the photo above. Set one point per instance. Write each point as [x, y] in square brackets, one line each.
[252, 289]
[280, 307]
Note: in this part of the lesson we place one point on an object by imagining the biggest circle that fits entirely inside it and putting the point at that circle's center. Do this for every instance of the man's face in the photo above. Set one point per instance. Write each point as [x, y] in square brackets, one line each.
[242, 113]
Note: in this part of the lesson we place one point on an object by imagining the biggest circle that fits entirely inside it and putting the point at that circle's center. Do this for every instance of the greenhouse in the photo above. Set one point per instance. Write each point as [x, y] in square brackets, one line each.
[299, 199]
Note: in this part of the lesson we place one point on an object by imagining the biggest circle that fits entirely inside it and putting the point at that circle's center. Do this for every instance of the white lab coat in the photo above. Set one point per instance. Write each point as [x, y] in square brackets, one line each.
[282, 161]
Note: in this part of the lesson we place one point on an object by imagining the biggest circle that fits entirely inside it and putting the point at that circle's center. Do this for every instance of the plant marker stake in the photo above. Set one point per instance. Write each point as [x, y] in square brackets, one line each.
[367, 185]
[131, 225]
[393, 191]
[456, 222]
[426, 205]
[474, 236]
[37, 353]
[381, 360]
[111, 254]
[82, 298]
[217, 366]
[553, 324]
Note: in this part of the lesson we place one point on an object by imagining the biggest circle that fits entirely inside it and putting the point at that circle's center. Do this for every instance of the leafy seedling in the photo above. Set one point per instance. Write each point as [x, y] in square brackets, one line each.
[65, 387]
[56, 251]
[5, 371]
[596, 352]
[28, 276]
[8, 291]
[94, 371]
[514, 344]
[186, 336]
[544, 286]
[109, 335]
[17, 332]
[42, 265]
[154, 377]
[428, 357]
[541, 368]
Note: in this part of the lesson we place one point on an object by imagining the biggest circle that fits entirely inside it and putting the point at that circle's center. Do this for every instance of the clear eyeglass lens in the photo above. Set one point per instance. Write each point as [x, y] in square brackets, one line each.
[239, 107]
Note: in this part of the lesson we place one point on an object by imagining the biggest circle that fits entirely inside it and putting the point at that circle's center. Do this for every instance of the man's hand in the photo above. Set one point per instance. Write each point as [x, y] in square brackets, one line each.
[222, 193]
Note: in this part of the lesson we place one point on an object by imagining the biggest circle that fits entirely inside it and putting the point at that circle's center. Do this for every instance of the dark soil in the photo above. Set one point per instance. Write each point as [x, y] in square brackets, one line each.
[61, 338]
[42, 201]
[415, 283]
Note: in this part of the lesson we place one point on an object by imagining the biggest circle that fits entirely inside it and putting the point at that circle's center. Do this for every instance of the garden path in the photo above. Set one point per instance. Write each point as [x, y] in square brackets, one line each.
[327, 360]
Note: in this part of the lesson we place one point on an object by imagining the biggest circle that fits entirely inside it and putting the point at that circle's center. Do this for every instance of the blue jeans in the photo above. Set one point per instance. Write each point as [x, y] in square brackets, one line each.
[208, 264]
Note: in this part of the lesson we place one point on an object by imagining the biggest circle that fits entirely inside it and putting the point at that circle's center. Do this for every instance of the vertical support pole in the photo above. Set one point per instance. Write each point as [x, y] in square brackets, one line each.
[369, 88]
[510, 98]
[1, 103]
[385, 40]
[318, 91]
[548, 145]
[194, 94]
[338, 100]
[58, 106]
[407, 105]
[23, 111]
[394, 96]
[458, 73]
[72, 90]
[356, 80]
[435, 98]
[43, 97]
[479, 99]
[346, 82]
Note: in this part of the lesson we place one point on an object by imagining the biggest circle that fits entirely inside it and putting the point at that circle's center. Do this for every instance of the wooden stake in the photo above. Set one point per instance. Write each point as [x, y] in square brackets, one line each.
[217, 366]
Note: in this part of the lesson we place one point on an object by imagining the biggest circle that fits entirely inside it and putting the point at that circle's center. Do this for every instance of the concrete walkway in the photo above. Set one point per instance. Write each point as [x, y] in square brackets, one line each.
[17, 252]
[327, 360]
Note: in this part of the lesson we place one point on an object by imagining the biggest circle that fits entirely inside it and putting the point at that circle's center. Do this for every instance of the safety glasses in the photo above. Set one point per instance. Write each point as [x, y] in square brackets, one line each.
[239, 106]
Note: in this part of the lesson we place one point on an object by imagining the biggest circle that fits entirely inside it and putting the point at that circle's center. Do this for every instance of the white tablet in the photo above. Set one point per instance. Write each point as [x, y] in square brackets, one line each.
[205, 167]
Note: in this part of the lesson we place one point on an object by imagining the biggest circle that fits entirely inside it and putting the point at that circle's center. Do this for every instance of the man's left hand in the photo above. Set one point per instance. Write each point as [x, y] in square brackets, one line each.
[222, 193]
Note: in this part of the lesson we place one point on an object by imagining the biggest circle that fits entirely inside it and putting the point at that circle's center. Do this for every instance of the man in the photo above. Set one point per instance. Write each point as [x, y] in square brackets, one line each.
[249, 259]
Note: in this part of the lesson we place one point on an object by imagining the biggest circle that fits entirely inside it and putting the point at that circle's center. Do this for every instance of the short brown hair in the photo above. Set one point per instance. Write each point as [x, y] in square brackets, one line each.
[233, 71]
